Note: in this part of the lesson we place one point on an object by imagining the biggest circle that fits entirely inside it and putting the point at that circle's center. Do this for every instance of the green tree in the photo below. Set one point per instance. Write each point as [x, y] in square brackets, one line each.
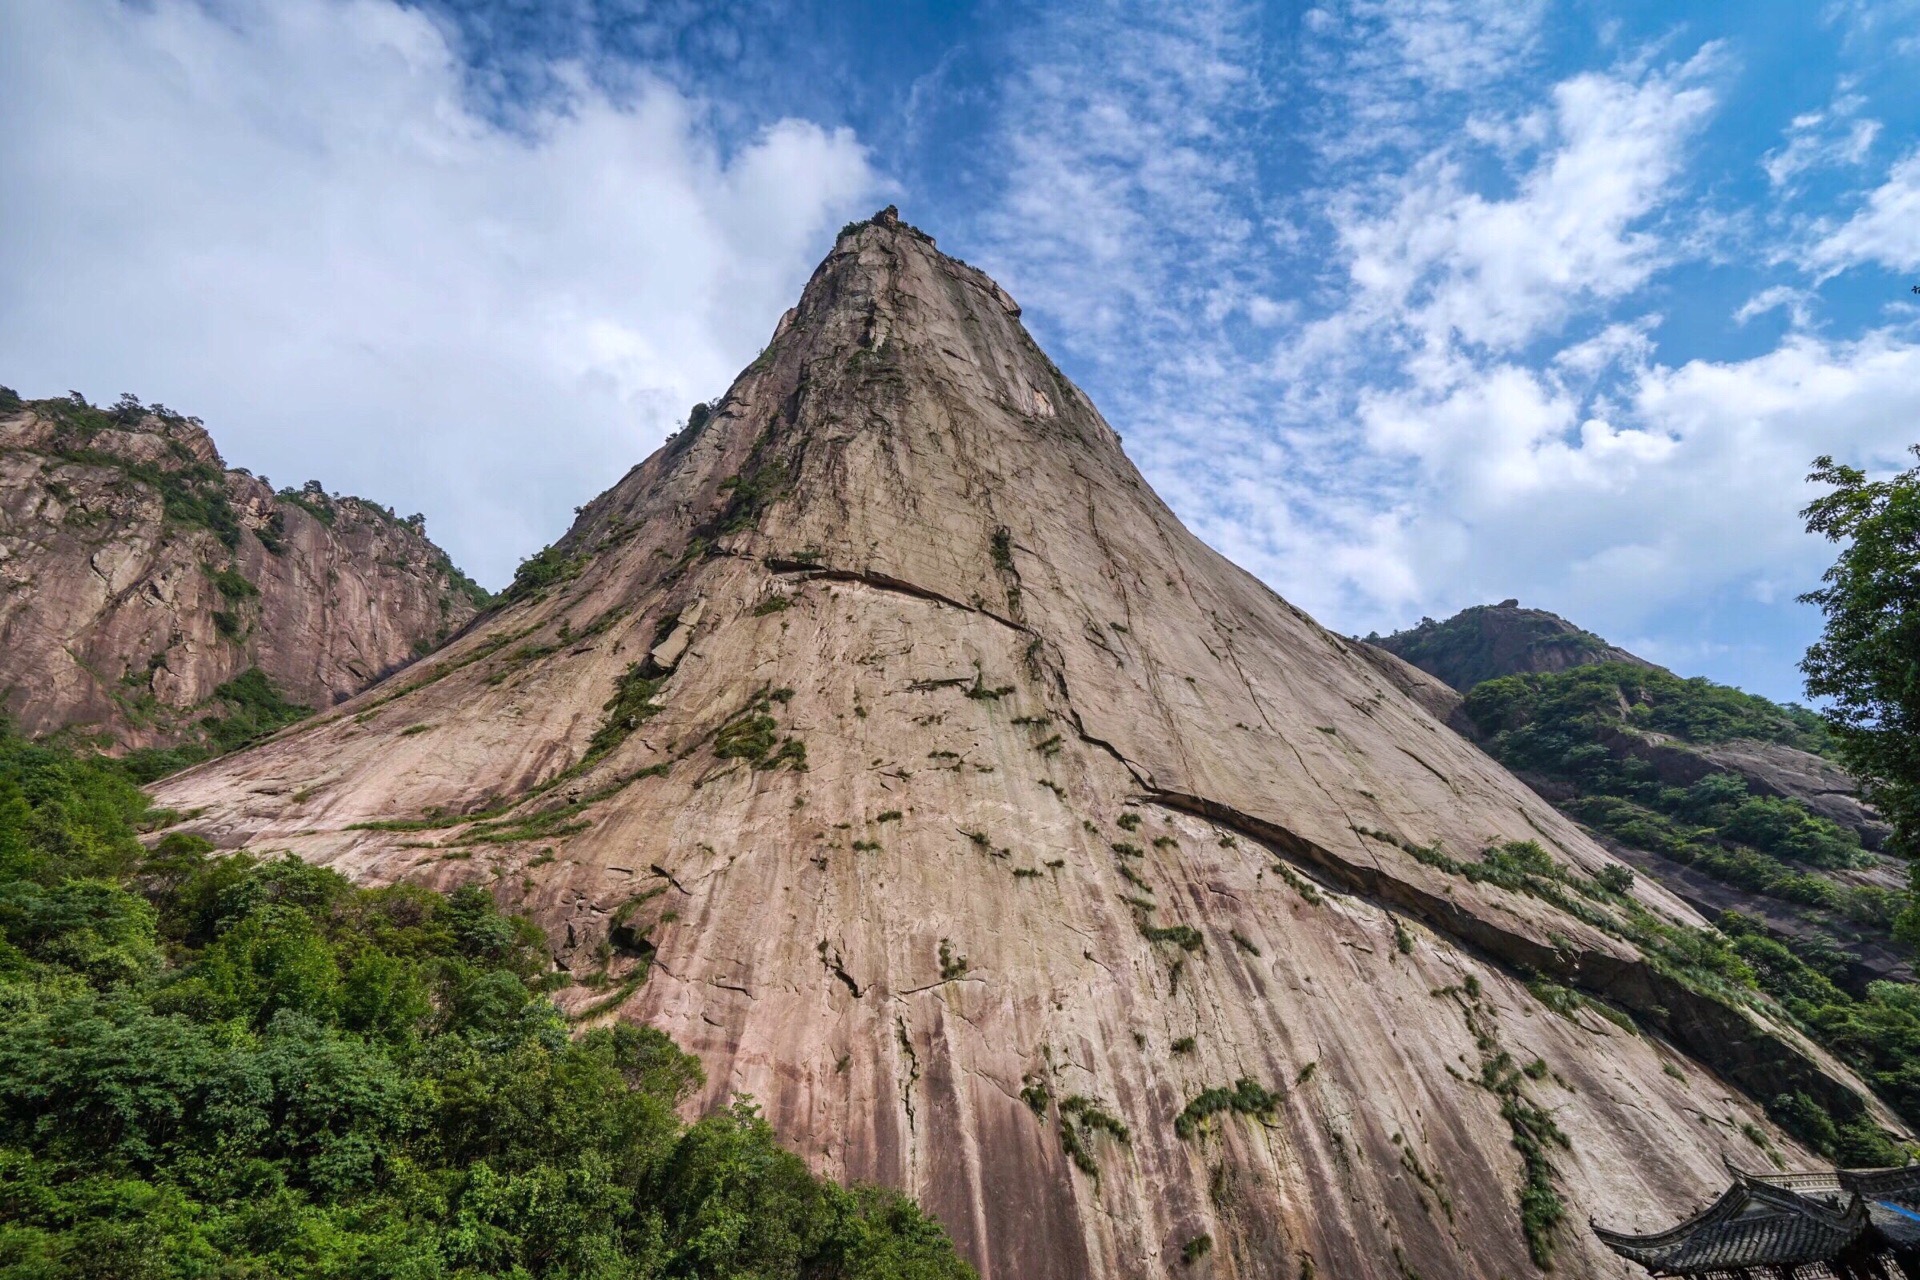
[1867, 661]
[235, 1067]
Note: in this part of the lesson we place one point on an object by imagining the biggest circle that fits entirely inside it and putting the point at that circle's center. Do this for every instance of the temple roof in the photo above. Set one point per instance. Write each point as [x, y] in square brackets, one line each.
[1901, 1186]
[1892, 1196]
[1754, 1223]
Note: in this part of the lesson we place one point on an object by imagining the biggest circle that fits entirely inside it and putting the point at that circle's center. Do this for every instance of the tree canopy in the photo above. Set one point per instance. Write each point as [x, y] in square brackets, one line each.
[1867, 661]
[244, 1067]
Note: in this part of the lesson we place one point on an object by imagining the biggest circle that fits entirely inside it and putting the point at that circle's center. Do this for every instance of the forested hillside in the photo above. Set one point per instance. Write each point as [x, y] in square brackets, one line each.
[1489, 640]
[246, 1066]
[1602, 739]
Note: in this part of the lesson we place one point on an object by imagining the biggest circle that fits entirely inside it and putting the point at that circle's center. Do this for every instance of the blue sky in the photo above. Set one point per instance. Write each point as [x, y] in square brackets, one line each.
[1403, 304]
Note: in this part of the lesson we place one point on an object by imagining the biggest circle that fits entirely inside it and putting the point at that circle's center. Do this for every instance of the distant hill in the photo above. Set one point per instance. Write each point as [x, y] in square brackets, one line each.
[1729, 799]
[1490, 640]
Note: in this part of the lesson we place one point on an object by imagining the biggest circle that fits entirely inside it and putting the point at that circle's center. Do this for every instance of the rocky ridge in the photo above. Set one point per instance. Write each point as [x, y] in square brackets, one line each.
[1485, 641]
[885, 740]
[1495, 641]
[139, 576]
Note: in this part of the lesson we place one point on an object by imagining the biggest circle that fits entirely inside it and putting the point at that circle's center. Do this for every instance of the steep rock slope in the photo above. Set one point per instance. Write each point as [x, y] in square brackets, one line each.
[138, 575]
[1438, 699]
[885, 740]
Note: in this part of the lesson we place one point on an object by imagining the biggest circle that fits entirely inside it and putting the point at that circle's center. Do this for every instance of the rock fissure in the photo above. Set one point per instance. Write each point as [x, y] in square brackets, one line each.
[885, 582]
[1765, 1063]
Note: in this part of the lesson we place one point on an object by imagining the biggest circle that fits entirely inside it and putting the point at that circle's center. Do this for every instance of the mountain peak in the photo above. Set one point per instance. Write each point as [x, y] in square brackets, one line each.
[888, 220]
[886, 740]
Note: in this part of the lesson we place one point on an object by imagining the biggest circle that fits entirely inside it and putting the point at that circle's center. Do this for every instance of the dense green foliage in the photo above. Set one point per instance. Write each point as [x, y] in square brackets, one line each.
[242, 711]
[752, 735]
[547, 567]
[232, 584]
[1577, 729]
[631, 706]
[1867, 661]
[1573, 727]
[1709, 849]
[1247, 1098]
[1622, 694]
[250, 708]
[1878, 1035]
[237, 1068]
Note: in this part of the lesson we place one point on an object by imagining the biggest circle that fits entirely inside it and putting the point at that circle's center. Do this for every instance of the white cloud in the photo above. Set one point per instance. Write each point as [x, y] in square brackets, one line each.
[1447, 262]
[285, 219]
[1614, 346]
[1456, 44]
[1121, 167]
[1891, 28]
[1588, 476]
[1798, 304]
[1382, 63]
[1693, 488]
[1886, 231]
[1819, 139]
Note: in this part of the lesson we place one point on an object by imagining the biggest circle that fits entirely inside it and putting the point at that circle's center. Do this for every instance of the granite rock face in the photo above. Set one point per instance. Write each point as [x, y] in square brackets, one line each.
[885, 740]
[138, 574]
[1774, 769]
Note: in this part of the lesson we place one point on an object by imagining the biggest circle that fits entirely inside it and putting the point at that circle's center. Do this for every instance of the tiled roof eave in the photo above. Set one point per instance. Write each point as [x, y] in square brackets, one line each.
[1755, 1223]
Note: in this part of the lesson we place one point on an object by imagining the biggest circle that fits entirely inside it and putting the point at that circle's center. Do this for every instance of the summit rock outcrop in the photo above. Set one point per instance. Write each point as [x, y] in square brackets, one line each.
[885, 740]
[1486, 641]
[140, 577]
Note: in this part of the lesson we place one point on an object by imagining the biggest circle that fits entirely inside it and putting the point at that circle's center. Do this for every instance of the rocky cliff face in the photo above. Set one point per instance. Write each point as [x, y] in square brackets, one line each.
[1491, 640]
[885, 740]
[138, 576]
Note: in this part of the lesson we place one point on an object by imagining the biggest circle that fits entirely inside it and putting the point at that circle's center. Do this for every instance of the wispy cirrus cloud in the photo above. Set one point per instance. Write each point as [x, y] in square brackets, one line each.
[1124, 196]
[1435, 367]
[1381, 68]
[1835, 135]
[1885, 231]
